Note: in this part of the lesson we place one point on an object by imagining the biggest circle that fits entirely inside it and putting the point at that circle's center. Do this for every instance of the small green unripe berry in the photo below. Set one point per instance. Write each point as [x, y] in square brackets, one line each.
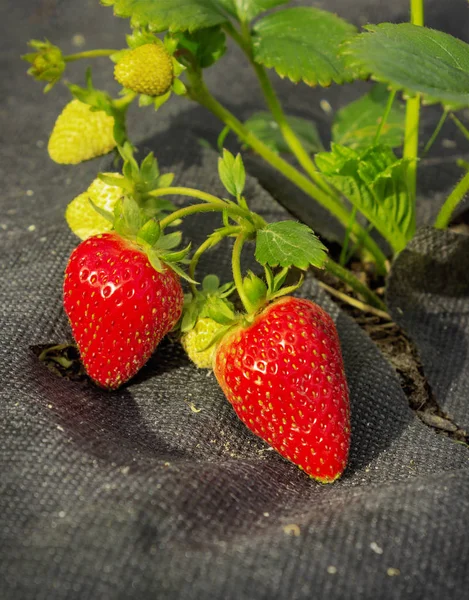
[147, 69]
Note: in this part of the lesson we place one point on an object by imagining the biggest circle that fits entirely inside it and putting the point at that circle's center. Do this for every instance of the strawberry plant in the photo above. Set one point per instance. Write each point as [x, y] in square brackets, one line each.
[276, 357]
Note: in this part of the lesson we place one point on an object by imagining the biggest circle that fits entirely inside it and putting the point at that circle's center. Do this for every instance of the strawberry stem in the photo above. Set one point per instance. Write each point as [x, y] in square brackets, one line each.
[209, 243]
[237, 274]
[88, 54]
[199, 93]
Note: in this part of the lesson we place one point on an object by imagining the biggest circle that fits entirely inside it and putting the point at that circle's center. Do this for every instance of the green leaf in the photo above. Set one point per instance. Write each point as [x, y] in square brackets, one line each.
[232, 173]
[246, 10]
[264, 126]
[172, 15]
[219, 310]
[303, 44]
[289, 243]
[375, 182]
[356, 124]
[413, 59]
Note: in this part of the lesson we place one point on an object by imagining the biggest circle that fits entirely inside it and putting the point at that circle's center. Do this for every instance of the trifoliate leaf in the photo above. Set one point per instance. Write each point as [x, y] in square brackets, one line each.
[289, 243]
[303, 44]
[264, 126]
[375, 182]
[356, 124]
[232, 173]
[172, 15]
[413, 59]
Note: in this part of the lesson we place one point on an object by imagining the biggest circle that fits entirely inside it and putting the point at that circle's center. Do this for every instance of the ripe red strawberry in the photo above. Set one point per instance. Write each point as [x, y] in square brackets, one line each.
[119, 306]
[285, 378]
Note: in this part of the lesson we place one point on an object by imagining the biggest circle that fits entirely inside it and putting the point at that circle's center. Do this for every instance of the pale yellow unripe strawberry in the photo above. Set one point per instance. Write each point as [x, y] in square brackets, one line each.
[80, 134]
[147, 69]
[195, 340]
[82, 218]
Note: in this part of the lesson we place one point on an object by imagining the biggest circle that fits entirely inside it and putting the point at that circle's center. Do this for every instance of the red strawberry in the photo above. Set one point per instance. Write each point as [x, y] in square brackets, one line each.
[119, 306]
[285, 378]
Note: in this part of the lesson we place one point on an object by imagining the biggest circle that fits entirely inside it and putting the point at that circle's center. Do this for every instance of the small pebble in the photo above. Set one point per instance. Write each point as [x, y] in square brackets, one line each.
[331, 570]
[374, 546]
[392, 572]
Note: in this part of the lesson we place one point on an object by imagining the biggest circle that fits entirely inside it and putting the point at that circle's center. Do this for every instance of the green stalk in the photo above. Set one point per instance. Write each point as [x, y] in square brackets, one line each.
[460, 126]
[88, 54]
[385, 117]
[444, 216]
[359, 287]
[237, 274]
[209, 243]
[412, 121]
[199, 92]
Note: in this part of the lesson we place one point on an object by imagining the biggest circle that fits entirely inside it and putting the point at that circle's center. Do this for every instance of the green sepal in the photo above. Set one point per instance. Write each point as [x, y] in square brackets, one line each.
[121, 182]
[255, 289]
[158, 101]
[128, 218]
[176, 256]
[211, 301]
[177, 269]
[155, 261]
[106, 214]
[179, 88]
[218, 336]
[170, 240]
[286, 291]
[150, 233]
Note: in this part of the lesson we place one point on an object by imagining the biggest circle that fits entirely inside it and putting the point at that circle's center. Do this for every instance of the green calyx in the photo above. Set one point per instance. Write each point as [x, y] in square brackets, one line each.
[211, 301]
[131, 223]
[139, 181]
[47, 62]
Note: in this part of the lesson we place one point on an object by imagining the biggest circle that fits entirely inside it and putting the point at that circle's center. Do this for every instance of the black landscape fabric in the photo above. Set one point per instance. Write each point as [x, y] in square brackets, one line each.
[158, 490]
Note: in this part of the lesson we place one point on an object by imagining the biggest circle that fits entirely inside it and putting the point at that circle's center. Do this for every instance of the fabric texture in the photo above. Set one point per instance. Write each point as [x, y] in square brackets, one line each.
[158, 490]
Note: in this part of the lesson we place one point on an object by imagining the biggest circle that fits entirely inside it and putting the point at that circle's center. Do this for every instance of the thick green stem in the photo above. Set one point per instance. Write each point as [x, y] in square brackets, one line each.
[385, 117]
[88, 54]
[359, 287]
[237, 273]
[200, 94]
[412, 121]
[212, 204]
[444, 216]
[416, 12]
